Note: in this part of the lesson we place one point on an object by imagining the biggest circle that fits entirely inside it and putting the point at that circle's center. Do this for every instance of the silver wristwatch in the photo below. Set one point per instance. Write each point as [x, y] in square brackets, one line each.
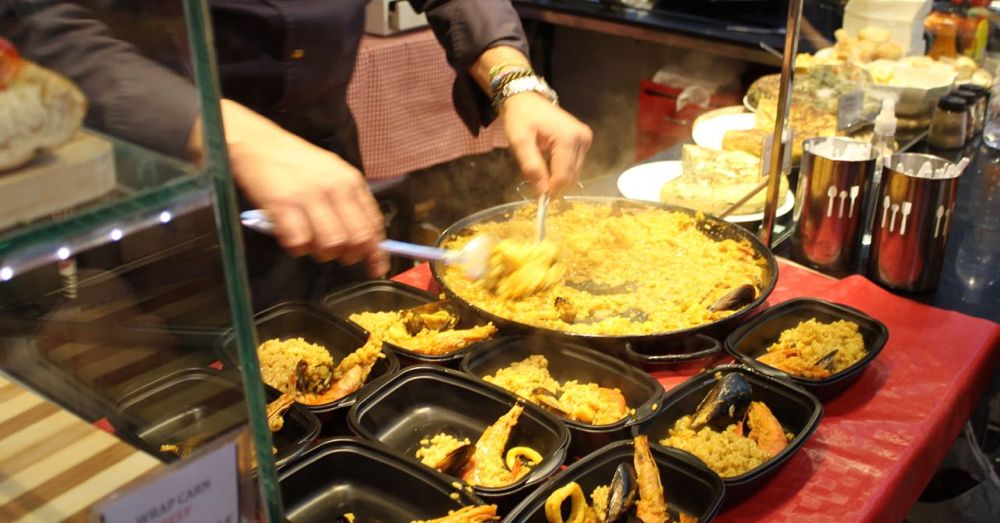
[527, 84]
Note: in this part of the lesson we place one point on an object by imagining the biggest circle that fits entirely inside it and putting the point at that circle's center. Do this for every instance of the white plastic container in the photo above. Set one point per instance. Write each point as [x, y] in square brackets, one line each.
[904, 18]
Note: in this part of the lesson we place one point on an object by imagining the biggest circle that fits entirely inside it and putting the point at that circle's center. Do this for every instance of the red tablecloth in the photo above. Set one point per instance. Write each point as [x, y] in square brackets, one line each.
[400, 95]
[881, 440]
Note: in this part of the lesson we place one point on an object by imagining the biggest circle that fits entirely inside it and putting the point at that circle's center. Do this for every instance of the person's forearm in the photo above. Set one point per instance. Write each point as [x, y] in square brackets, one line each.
[494, 57]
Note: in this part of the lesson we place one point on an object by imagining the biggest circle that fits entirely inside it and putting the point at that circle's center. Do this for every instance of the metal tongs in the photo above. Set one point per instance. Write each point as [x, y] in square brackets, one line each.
[474, 257]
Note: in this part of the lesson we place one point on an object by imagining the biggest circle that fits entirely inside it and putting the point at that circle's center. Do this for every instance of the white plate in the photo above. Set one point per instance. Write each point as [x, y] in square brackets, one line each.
[644, 181]
[709, 130]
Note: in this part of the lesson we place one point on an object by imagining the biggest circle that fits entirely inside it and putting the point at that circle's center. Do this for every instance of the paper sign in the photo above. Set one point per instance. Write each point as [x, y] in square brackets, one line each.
[198, 490]
[849, 108]
[765, 163]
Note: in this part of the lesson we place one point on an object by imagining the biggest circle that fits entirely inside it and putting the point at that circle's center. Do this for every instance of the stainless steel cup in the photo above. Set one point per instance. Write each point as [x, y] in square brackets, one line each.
[829, 207]
[912, 219]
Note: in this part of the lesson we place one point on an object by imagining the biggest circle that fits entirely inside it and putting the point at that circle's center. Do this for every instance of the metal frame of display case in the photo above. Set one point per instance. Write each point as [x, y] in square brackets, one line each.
[158, 190]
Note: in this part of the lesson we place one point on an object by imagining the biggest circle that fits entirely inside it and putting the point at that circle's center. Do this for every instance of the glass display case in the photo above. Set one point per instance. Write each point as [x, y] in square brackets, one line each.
[120, 258]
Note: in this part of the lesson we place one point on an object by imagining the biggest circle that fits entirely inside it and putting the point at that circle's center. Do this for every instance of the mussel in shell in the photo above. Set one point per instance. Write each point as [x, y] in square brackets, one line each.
[726, 403]
[622, 494]
[736, 299]
[826, 362]
[436, 316]
[546, 399]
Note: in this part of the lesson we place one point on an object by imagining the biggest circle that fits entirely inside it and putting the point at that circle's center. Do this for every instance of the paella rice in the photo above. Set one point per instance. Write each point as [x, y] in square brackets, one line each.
[728, 452]
[816, 350]
[434, 449]
[584, 402]
[429, 340]
[279, 358]
[628, 270]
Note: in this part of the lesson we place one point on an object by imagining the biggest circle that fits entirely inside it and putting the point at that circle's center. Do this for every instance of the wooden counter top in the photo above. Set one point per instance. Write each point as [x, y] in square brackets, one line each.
[53, 465]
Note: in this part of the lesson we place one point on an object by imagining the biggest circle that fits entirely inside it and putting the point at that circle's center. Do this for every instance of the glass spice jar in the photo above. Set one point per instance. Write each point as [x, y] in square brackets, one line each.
[981, 95]
[970, 103]
[949, 124]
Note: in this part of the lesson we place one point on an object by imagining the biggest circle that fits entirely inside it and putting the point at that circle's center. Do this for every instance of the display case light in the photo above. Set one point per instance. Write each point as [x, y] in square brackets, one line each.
[6, 274]
[165, 216]
[63, 253]
[116, 234]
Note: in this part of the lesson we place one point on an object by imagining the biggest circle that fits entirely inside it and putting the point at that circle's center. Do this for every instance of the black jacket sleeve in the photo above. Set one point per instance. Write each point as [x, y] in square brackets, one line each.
[466, 28]
[129, 96]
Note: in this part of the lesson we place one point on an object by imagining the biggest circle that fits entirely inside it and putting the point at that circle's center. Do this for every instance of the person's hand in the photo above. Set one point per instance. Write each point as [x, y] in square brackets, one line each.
[319, 203]
[549, 143]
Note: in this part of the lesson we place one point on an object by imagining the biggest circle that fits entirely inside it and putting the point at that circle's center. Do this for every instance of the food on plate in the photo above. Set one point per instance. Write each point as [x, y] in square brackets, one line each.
[584, 402]
[471, 514]
[818, 88]
[728, 431]
[39, 109]
[816, 350]
[484, 464]
[631, 269]
[713, 181]
[308, 370]
[427, 329]
[635, 493]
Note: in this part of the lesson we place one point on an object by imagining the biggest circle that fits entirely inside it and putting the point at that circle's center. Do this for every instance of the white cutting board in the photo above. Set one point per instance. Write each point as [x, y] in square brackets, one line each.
[78, 171]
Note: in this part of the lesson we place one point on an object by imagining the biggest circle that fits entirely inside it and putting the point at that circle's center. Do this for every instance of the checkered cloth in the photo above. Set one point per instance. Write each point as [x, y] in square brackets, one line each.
[401, 98]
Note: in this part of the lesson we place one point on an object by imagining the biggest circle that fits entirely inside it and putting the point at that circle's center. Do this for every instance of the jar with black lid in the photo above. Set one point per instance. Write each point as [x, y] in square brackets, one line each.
[981, 95]
[974, 117]
[949, 123]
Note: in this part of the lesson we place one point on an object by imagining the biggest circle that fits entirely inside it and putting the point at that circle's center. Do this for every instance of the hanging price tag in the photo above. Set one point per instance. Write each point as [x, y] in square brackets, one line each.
[849, 107]
[200, 489]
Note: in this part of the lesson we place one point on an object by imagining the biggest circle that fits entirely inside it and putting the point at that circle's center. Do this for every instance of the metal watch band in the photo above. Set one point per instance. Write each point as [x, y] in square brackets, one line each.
[527, 84]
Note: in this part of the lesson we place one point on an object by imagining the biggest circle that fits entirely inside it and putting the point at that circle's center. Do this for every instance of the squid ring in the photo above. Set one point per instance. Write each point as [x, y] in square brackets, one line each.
[553, 505]
[528, 453]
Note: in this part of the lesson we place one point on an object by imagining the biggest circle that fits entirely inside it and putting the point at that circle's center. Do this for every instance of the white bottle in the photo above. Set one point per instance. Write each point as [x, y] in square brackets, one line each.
[884, 143]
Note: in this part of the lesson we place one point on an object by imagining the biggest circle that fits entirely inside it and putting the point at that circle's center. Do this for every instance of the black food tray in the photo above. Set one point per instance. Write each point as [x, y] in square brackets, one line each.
[302, 320]
[798, 412]
[423, 400]
[347, 475]
[688, 485]
[569, 361]
[199, 402]
[387, 296]
[751, 340]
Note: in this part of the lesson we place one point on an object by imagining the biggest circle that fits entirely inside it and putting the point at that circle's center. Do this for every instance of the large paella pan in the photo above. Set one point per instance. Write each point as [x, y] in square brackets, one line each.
[637, 274]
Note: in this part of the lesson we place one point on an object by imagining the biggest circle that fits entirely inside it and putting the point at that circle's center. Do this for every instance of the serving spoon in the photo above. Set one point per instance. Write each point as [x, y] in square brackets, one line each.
[474, 256]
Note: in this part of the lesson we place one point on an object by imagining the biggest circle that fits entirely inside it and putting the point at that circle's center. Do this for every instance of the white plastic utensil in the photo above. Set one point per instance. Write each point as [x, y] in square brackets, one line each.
[855, 191]
[937, 222]
[843, 198]
[474, 257]
[907, 207]
[831, 193]
[892, 221]
[885, 209]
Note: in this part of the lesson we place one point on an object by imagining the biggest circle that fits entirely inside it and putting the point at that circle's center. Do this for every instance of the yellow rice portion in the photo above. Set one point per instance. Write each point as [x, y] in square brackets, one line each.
[278, 359]
[728, 453]
[586, 402]
[434, 449]
[815, 339]
[426, 341]
[673, 271]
